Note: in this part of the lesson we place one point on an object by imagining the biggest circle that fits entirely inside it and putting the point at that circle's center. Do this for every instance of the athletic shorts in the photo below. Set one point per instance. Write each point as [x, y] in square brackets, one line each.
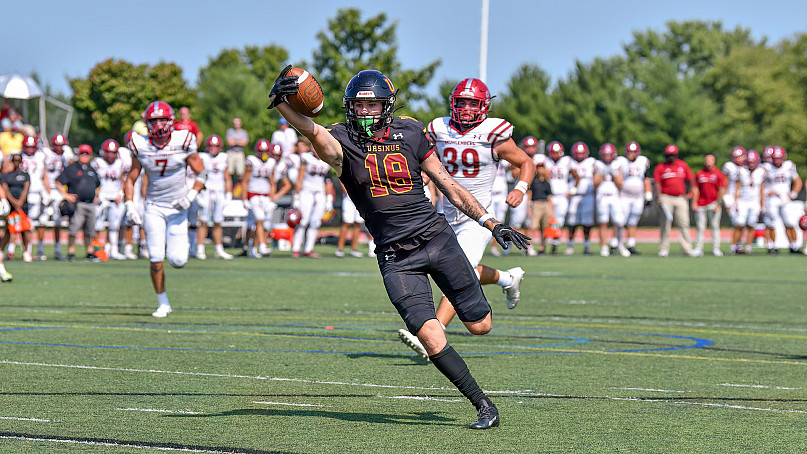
[350, 215]
[406, 278]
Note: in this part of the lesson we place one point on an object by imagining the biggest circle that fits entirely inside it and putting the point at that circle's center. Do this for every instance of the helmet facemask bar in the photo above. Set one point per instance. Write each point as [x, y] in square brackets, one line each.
[478, 114]
[369, 124]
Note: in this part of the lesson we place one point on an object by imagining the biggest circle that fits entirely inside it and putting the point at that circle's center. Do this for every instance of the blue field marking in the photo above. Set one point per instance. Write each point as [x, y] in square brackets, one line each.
[563, 340]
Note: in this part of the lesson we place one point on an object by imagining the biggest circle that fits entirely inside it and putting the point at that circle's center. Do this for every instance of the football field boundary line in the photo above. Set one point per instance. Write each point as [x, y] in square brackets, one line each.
[17, 418]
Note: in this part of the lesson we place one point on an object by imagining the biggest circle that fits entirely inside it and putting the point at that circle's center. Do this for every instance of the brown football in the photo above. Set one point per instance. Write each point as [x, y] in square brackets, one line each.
[308, 100]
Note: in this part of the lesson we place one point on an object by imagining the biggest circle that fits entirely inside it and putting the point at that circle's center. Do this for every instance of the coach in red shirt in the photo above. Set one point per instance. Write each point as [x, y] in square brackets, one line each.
[185, 123]
[672, 177]
[710, 185]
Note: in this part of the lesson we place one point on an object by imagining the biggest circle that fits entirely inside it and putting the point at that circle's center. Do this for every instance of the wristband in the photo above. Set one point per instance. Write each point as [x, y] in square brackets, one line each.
[485, 218]
[793, 195]
[521, 186]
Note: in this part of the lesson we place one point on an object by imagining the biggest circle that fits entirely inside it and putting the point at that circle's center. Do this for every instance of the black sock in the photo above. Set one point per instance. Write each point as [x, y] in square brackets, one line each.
[450, 364]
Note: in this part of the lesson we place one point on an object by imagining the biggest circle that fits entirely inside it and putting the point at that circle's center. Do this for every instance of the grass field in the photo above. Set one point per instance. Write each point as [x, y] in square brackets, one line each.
[643, 354]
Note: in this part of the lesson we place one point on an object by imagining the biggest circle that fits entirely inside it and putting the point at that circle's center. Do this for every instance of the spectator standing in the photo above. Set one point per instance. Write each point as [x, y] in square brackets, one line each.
[237, 138]
[707, 195]
[542, 209]
[82, 184]
[672, 177]
[186, 124]
[10, 138]
[16, 184]
[285, 136]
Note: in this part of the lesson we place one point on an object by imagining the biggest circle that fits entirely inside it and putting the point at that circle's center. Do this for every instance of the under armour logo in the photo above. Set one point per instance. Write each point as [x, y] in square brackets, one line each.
[389, 257]
[397, 136]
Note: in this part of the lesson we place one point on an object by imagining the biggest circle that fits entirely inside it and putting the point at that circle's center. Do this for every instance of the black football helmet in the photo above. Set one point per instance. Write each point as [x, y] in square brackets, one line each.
[369, 84]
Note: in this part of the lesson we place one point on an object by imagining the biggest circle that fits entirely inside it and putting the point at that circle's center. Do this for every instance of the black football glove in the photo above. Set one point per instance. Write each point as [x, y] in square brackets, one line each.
[505, 235]
[284, 86]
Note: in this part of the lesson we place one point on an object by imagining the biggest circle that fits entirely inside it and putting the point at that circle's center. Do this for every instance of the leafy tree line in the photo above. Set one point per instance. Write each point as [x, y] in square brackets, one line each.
[694, 84]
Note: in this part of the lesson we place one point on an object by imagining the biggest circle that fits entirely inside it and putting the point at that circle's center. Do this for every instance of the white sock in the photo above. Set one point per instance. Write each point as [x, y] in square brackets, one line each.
[299, 237]
[219, 247]
[631, 242]
[11, 247]
[770, 244]
[113, 239]
[28, 249]
[200, 249]
[794, 245]
[162, 298]
[128, 248]
[2, 268]
[311, 239]
[505, 278]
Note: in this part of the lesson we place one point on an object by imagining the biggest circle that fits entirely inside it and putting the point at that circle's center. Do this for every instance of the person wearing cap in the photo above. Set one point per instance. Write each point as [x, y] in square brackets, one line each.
[542, 209]
[707, 197]
[82, 185]
[237, 139]
[16, 184]
[672, 177]
[285, 136]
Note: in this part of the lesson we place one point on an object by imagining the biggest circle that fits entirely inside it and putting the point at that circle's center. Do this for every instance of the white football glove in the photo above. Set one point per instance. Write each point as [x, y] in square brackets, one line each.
[573, 190]
[5, 207]
[132, 216]
[185, 202]
[46, 198]
[648, 196]
[103, 205]
[247, 204]
[228, 196]
[295, 201]
[328, 203]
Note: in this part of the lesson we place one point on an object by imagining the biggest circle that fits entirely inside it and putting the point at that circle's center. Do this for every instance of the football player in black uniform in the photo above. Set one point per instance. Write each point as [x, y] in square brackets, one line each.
[379, 157]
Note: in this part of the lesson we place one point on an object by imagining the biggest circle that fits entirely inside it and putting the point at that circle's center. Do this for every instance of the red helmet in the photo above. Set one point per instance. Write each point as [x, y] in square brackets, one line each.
[29, 145]
[158, 110]
[529, 141]
[262, 145]
[555, 150]
[803, 222]
[127, 138]
[58, 140]
[293, 218]
[607, 152]
[470, 89]
[671, 150]
[110, 149]
[213, 141]
[767, 152]
[632, 150]
[276, 151]
[738, 155]
[778, 156]
[752, 160]
[580, 151]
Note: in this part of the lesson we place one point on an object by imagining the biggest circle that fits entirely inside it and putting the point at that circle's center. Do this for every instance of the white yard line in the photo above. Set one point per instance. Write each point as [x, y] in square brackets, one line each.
[158, 410]
[15, 418]
[435, 399]
[736, 385]
[289, 404]
[655, 390]
[110, 444]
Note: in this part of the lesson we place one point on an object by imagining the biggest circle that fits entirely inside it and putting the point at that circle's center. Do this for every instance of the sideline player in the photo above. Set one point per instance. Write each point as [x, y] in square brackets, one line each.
[560, 173]
[260, 195]
[313, 196]
[5, 209]
[581, 203]
[779, 175]
[378, 157]
[748, 201]
[635, 185]
[58, 156]
[607, 183]
[112, 172]
[33, 163]
[731, 170]
[218, 192]
[163, 155]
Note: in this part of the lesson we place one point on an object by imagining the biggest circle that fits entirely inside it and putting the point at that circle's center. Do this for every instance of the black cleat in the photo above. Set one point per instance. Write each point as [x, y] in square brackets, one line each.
[92, 258]
[795, 251]
[71, 257]
[633, 251]
[554, 249]
[587, 251]
[488, 415]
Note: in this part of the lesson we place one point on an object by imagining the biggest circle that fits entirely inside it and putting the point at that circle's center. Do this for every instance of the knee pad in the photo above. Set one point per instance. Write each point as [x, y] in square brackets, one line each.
[177, 262]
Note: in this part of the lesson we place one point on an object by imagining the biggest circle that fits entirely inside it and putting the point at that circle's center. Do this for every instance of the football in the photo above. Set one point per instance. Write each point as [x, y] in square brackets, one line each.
[308, 100]
[803, 222]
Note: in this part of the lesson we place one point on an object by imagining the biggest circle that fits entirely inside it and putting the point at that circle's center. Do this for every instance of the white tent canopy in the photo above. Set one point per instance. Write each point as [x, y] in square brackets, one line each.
[17, 86]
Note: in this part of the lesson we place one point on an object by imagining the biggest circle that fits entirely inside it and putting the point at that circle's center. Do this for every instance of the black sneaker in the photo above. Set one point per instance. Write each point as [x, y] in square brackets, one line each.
[92, 258]
[587, 251]
[795, 251]
[488, 415]
[633, 251]
[58, 256]
[773, 251]
[243, 253]
[71, 257]
[554, 249]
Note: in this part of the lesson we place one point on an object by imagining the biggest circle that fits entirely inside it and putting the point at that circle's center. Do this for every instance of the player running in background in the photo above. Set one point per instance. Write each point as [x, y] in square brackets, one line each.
[748, 201]
[782, 184]
[33, 163]
[560, 174]
[636, 191]
[607, 183]
[218, 191]
[112, 171]
[731, 170]
[163, 155]
[313, 196]
[378, 157]
[581, 203]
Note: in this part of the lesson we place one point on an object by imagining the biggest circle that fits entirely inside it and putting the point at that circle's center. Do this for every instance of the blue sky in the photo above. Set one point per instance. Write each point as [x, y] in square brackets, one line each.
[60, 39]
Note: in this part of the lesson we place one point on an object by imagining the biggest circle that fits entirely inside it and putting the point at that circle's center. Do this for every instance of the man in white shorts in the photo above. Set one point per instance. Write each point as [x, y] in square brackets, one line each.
[636, 191]
[561, 175]
[581, 203]
[33, 163]
[112, 171]
[313, 196]
[351, 219]
[58, 156]
[163, 155]
[780, 174]
[469, 144]
[218, 192]
[607, 182]
[748, 201]
[731, 170]
[260, 195]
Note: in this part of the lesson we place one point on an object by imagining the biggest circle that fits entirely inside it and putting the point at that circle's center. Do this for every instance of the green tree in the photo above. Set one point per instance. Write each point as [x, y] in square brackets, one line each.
[436, 107]
[115, 93]
[527, 103]
[350, 45]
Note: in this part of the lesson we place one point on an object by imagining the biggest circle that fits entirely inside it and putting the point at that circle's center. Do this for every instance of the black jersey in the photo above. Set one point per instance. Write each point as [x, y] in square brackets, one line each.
[382, 177]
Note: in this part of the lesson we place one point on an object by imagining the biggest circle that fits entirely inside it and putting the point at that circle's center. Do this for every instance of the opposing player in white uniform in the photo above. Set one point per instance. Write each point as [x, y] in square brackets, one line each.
[218, 192]
[132, 232]
[779, 175]
[470, 144]
[560, 174]
[581, 203]
[748, 201]
[607, 183]
[518, 214]
[498, 202]
[636, 190]
[163, 155]
[112, 171]
[731, 170]
[260, 196]
[58, 156]
[313, 196]
[33, 163]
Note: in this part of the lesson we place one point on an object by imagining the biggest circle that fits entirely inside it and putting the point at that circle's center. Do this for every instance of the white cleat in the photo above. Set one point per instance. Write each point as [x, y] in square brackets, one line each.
[717, 252]
[605, 251]
[264, 250]
[117, 256]
[513, 291]
[5, 276]
[27, 257]
[623, 251]
[129, 255]
[201, 255]
[569, 250]
[223, 255]
[339, 253]
[663, 253]
[355, 253]
[413, 342]
[162, 311]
